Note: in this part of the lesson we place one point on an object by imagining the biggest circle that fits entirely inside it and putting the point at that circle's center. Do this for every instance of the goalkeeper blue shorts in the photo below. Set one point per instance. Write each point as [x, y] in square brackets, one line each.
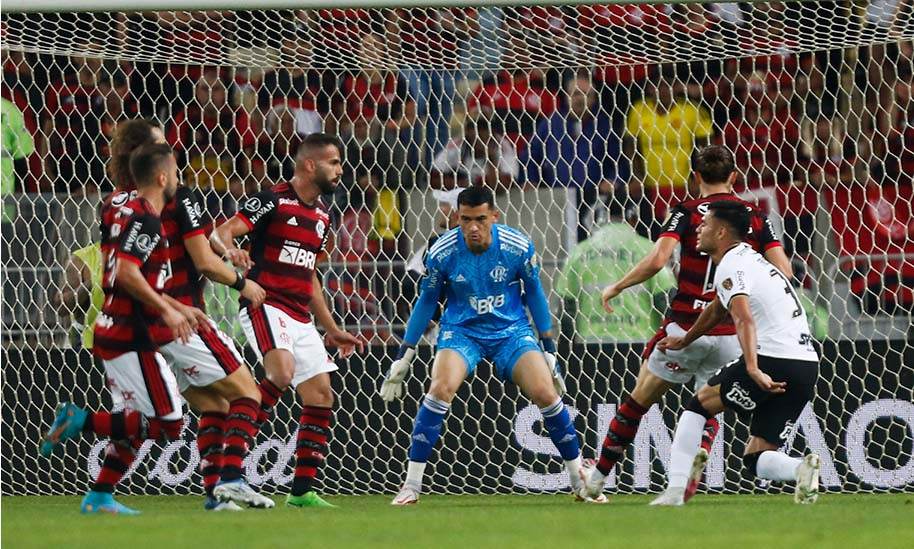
[503, 351]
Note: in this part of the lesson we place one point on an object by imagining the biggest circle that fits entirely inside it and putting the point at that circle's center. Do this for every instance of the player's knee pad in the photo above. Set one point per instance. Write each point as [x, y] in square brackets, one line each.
[751, 463]
[695, 406]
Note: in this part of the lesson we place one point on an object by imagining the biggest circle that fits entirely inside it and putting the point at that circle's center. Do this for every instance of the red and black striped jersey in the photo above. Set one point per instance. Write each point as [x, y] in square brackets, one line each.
[182, 218]
[696, 270]
[287, 239]
[131, 231]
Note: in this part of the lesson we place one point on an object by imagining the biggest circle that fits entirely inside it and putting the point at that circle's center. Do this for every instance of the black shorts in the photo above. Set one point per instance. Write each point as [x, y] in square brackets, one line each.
[773, 415]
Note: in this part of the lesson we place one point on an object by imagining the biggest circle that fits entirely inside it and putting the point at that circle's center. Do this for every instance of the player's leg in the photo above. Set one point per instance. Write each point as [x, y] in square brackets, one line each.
[311, 380]
[450, 369]
[268, 330]
[144, 386]
[772, 424]
[212, 410]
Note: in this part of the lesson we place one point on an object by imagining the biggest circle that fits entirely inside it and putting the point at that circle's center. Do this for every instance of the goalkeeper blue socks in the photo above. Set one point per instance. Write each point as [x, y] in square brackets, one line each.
[427, 428]
[561, 430]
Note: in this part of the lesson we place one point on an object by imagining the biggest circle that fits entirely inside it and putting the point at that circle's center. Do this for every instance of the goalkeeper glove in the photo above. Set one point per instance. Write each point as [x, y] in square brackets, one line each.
[558, 381]
[392, 387]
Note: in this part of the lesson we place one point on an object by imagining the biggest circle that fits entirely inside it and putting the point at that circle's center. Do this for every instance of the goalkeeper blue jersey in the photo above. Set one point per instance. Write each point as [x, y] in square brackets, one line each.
[485, 294]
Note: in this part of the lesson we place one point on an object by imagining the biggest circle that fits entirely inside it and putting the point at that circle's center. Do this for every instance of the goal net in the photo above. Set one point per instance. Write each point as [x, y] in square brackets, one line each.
[583, 118]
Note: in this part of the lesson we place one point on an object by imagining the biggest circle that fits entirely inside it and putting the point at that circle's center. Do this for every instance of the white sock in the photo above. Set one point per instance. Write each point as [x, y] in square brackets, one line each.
[686, 442]
[414, 473]
[573, 467]
[777, 466]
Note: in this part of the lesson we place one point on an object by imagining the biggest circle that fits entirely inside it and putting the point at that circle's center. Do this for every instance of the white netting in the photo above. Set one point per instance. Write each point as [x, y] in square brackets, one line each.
[814, 98]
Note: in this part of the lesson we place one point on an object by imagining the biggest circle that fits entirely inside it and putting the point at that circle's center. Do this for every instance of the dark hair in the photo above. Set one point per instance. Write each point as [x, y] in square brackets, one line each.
[148, 160]
[476, 196]
[313, 142]
[732, 213]
[715, 164]
[127, 137]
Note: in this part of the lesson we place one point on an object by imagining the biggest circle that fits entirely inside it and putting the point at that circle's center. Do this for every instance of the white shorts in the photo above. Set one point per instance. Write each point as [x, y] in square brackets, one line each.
[700, 360]
[204, 359]
[268, 327]
[144, 382]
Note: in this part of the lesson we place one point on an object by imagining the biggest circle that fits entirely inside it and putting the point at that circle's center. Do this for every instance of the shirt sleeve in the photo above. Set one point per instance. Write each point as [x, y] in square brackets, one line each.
[677, 223]
[767, 239]
[140, 239]
[430, 289]
[731, 280]
[257, 209]
[535, 296]
[190, 213]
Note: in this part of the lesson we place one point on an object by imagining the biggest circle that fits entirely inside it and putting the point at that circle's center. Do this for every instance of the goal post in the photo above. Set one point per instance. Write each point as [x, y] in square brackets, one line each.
[582, 116]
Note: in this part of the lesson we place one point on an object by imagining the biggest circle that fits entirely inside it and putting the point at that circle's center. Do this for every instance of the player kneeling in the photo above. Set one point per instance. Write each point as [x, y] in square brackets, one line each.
[773, 380]
[478, 268]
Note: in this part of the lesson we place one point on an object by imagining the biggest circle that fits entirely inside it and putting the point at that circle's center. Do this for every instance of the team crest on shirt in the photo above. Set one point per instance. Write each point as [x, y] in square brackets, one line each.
[499, 273]
[727, 284]
[673, 366]
[319, 228]
[704, 208]
[120, 199]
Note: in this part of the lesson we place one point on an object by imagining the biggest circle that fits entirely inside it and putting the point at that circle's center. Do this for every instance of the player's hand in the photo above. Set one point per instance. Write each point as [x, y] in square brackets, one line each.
[239, 258]
[558, 381]
[198, 319]
[764, 381]
[609, 293]
[345, 342]
[392, 387]
[670, 343]
[253, 292]
[178, 323]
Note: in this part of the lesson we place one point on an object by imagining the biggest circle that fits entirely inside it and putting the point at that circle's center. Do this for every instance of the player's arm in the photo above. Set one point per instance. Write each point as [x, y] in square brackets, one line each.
[333, 334]
[430, 289]
[140, 238]
[538, 304]
[748, 342]
[649, 266]
[254, 211]
[710, 317]
[772, 248]
[192, 224]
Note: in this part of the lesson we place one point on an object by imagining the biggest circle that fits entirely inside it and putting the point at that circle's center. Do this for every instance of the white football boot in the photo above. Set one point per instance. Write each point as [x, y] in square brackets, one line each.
[406, 496]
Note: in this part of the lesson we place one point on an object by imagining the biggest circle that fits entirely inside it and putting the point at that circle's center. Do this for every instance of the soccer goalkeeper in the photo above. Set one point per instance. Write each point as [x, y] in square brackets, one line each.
[488, 273]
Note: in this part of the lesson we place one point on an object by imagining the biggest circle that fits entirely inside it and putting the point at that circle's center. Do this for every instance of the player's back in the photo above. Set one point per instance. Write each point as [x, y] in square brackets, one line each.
[782, 329]
[696, 270]
[287, 240]
[130, 232]
[182, 218]
[483, 292]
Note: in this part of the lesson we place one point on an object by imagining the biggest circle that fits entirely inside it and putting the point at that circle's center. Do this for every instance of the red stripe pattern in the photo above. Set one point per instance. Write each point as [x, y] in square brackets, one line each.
[182, 218]
[311, 446]
[622, 431]
[155, 384]
[210, 441]
[220, 350]
[240, 432]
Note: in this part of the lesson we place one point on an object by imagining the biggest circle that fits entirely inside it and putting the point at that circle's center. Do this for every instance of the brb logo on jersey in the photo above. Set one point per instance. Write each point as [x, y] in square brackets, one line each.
[486, 304]
[291, 254]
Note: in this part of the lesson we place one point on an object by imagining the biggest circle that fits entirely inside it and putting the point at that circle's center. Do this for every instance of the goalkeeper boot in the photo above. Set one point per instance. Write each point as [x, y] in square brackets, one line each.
[308, 499]
[103, 502]
[698, 469]
[213, 504]
[807, 490]
[68, 423]
[673, 497]
[240, 491]
[577, 485]
[592, 481]
[406, 496]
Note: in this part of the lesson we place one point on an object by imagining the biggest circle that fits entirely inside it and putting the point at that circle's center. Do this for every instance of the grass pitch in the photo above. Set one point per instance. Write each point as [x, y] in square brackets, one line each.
[883, 521]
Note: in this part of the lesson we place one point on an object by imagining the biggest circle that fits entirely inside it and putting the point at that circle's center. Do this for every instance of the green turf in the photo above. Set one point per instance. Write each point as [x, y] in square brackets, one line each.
[469, 522]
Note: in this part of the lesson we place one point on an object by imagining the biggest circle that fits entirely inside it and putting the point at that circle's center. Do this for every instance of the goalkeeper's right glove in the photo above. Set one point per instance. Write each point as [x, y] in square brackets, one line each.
[392, 387]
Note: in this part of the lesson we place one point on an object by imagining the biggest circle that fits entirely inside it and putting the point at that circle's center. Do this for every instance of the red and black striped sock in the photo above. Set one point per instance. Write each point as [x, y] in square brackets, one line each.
[155, 428]
[119, 455]
[622, 431]
[210, 440]
[269, 396]
[311, 446]
[115, 425]
[240, 433]
[712, 426]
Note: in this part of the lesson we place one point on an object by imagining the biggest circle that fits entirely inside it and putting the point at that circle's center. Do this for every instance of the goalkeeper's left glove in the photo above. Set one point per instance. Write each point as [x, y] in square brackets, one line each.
[558, 381]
